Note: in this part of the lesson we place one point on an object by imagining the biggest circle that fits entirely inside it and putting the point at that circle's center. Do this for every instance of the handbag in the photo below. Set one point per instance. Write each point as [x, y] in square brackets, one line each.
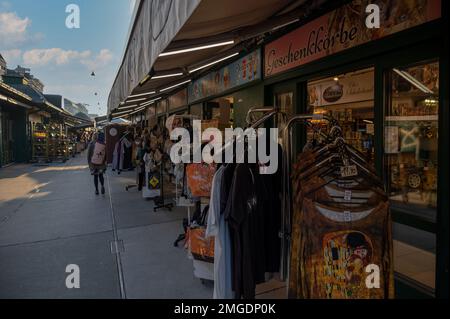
[199, 178]
[201, 247]
[98, 157]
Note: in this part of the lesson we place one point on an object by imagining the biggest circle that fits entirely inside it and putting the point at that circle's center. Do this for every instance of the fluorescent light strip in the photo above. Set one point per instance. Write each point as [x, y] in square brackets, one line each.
[408, 77]
[203, 47]
[166, 76]
[286, 24]
[137, 111]
[174, 86]
[136, 100]
[127, 107]
[142, 94]
[215, 62]
[121, 113]
[151, 102]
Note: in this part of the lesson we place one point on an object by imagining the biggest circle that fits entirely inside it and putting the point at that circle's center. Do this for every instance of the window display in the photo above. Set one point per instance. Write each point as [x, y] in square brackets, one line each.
[349, 99]
[411, 165]
[411, 136]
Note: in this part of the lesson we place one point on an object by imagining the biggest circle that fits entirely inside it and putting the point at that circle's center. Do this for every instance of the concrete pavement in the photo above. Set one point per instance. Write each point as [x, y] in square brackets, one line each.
[50, 217]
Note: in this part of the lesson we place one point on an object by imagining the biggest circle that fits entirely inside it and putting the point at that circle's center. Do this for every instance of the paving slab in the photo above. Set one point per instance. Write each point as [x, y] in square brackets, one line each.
[37, 270]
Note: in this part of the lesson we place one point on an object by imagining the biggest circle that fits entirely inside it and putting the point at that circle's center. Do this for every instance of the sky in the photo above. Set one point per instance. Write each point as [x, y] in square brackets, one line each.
[33, 34]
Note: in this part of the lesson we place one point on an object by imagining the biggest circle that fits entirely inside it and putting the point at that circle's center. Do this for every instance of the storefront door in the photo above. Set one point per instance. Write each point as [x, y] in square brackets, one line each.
[7, 139]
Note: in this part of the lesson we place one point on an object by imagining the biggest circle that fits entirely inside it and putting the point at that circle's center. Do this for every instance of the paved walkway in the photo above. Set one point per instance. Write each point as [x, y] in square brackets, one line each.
[50, 218]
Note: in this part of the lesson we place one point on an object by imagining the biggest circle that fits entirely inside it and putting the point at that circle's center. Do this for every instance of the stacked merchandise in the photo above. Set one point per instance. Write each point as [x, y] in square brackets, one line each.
[341, 225]
[197, 184]
[40, 147]
[57, 143]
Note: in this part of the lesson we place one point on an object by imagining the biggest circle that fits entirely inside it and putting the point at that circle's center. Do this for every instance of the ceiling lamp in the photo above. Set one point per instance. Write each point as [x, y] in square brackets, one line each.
[142, 94]
[175, 85]
[202, 47]
[214, 62]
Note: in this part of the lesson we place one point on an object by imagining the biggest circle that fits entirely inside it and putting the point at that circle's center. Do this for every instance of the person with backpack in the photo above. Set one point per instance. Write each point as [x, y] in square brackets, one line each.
[97, 160]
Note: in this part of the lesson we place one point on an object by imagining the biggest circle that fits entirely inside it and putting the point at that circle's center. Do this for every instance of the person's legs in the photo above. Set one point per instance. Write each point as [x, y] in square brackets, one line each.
[102, 182]
[96, 183]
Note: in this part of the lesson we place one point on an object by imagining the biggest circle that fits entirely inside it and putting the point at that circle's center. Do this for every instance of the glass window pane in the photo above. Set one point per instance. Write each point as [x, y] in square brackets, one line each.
[411, 164]
[349, 98]
[411, 139]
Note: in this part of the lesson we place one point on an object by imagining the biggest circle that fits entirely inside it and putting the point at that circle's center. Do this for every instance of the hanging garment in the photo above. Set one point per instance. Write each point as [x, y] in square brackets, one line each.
[339, 227]
[125, 154]
[335, 248]
[117, 156]
[246, 220]
[217, 227]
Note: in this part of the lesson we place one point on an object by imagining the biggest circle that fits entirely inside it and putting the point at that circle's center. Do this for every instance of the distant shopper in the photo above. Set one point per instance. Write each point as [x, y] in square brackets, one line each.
[97, 160]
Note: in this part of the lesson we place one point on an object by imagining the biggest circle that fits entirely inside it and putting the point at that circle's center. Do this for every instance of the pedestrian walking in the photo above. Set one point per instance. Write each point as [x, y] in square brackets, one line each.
[97, 160]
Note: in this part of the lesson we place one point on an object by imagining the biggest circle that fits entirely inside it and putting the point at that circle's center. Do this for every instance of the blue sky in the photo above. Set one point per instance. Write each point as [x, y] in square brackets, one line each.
[33, 34]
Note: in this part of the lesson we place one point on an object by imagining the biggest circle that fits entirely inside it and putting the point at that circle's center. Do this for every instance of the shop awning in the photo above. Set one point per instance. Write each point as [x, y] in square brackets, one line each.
[155, 25]
[162, 50]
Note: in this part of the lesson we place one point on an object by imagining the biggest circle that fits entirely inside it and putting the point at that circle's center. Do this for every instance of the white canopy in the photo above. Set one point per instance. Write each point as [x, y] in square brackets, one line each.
[163, 26]
[156, 24]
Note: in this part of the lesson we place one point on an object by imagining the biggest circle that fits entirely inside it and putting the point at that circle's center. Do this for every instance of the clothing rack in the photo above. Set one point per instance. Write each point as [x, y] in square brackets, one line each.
[160, 202]
[286, 185]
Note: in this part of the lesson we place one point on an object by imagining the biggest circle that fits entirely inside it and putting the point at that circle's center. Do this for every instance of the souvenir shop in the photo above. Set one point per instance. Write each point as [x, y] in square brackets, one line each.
[383, 90]
[362, 122]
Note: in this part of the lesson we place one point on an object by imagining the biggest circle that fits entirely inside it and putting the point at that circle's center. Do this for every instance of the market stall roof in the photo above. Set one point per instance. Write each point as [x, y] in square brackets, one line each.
[171, 41]
[13, 97]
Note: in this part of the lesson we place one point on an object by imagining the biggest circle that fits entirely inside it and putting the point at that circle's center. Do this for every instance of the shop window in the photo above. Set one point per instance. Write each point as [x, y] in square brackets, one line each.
[197, 109]
[411, 161]
[285, 102]
[221, 109]
[348, 98]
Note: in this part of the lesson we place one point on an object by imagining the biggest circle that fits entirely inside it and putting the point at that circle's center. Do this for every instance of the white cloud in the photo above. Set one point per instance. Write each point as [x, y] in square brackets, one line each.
[13, 30]
[12, 57]
[58, 56]
[42, 57]
[103, 58]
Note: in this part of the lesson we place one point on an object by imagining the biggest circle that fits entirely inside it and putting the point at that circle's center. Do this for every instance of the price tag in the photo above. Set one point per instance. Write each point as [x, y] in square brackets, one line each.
[349, 170]
[347, 216]
[348, 195]
[263, 169]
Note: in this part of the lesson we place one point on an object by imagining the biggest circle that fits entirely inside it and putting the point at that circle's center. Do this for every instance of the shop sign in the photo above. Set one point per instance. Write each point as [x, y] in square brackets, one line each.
[242, 71]
[348, 89]
[178, 99]
[345, 28]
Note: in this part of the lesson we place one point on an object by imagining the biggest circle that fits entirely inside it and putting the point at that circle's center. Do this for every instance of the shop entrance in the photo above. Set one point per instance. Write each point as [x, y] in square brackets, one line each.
[7, 139]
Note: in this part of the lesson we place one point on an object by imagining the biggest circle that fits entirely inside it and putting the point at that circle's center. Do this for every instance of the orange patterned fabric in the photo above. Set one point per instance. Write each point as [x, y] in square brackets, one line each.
[199, 178]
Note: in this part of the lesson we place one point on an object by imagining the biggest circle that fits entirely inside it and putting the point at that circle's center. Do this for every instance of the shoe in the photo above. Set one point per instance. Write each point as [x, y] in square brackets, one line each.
[103, 190]
[96, 192]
